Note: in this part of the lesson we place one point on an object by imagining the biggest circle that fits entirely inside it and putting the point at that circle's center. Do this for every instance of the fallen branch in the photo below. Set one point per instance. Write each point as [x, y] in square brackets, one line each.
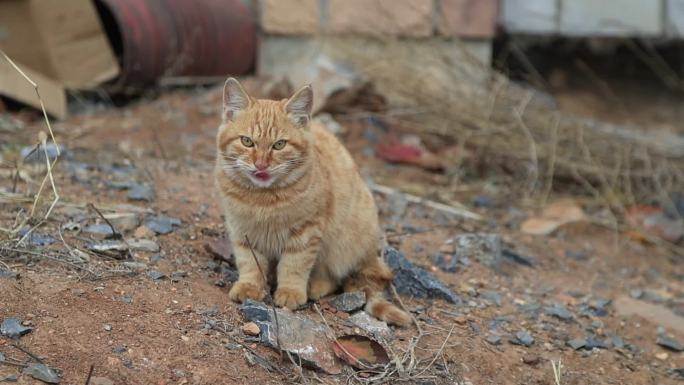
[456, 211]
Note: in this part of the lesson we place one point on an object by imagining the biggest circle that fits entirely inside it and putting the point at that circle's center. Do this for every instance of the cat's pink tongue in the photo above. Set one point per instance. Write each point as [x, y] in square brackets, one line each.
[262, 175]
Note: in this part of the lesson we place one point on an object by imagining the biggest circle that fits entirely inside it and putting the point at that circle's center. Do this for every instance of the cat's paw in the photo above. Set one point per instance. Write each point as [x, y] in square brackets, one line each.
[319, 288]
[242, 291]
[289, 297]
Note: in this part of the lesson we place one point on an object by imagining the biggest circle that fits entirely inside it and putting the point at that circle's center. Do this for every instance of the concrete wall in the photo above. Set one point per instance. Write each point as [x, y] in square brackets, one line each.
[400, 18]
[594, 18]
[466, 23]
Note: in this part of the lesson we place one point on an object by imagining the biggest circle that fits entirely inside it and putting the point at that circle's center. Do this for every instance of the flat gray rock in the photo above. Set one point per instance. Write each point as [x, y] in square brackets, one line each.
[411, 280]
[42, 372]
[306, 339]
[101, 229]
[523, 337]
[141, 192]
[348, 302]
[670, 343]
[143, 245]
[372, 325]
[162, 224]
[12, 328]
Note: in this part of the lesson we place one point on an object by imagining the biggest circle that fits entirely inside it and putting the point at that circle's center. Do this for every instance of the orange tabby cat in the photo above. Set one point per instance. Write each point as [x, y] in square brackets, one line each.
[293, 190]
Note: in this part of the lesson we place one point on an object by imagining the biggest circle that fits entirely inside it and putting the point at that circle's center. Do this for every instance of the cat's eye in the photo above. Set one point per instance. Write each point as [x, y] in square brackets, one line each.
[279, 145]
[247, 141]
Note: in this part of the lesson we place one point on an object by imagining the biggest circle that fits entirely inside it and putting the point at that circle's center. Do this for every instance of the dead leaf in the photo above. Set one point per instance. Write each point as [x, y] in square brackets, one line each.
[554, 216]
[360, 352]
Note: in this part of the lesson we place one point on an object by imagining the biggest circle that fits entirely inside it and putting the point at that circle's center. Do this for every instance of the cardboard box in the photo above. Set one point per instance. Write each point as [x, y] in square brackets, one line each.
[63, 40]
[15, 86]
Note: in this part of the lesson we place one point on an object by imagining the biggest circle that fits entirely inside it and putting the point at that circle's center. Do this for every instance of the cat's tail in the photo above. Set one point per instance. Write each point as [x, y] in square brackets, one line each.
[373, 278]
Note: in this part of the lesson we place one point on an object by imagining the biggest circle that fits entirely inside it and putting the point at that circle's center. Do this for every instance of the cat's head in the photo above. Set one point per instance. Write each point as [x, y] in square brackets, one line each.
[264, 143]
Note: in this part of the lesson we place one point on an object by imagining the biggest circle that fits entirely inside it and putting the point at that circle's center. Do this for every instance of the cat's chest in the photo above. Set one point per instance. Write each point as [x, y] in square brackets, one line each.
[268, 229]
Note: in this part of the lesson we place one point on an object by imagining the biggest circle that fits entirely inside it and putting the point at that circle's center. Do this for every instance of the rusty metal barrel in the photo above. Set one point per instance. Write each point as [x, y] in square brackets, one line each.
[174, 38]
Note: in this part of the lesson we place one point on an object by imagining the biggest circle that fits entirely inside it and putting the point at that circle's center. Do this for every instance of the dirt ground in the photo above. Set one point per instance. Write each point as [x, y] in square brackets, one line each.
[133, 329]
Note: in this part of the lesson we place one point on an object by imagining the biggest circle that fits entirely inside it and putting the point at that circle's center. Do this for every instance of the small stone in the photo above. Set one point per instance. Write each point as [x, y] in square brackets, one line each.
[119, 349]
[38, 239]
[483, 201]
[617, 342]
[348, 302]
[636, 293]
[176, 276]
[559, 312]
[413, 281]
[127, 299]
[449, 263]
[524, 338]
[162, 224]
[662, 356]
[178, 373]
[156, 275]
[209, 312]
[494, 339]
[599, 303]
[518, 258]
[41, 372]
[31, 154]
[677, 373]
[135, 265]
[670, 343]
[12, 328]
[124, 222]
[143, 232]
[107, 327]
[576, 254]
[101, 230]
[10, 378]
[141, 192]
[220, 283]
[143, 245]
[101, 381]
[8, 274]
[491, 296]
[593, 343]
[370, 324]
[484, 247]
[531, 359]
[251, 329]
[577, 343]
[114, 248]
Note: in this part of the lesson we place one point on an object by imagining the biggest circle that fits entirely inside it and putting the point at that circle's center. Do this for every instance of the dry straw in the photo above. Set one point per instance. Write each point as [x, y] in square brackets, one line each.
[42, 143]
[442, 90]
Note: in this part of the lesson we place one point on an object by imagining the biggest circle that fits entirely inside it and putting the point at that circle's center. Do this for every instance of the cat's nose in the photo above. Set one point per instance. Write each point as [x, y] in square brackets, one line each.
[261, 165]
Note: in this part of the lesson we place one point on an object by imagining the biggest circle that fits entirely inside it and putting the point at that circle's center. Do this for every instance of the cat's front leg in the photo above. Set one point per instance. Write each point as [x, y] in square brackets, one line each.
[294, 269]
[250, 284]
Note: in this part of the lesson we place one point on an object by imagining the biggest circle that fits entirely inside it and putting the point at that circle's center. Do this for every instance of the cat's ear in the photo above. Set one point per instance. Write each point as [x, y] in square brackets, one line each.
[299, 106]
[235, 99]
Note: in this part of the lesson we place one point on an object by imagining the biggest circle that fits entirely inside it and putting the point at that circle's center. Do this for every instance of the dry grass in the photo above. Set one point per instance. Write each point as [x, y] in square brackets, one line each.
[433, 90]
[38, 196]
[557, 374]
